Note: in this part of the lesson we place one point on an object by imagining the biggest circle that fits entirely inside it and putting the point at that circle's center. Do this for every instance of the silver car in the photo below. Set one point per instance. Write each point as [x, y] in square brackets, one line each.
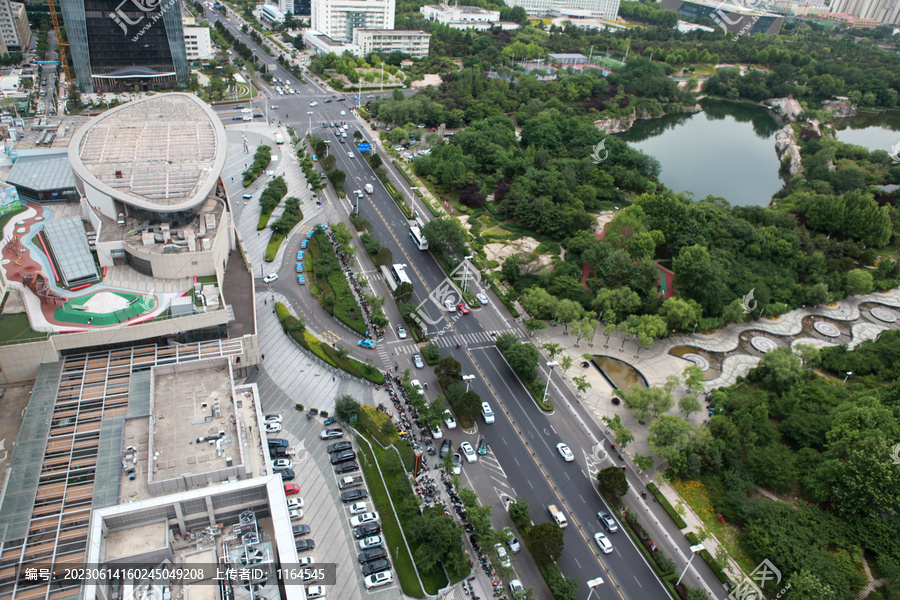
[482, 298]
[401, 332]
[417, 360]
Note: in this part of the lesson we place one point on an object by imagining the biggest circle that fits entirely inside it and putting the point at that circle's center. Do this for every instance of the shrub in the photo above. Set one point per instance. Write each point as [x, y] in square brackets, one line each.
[664, 502]
[261, 160]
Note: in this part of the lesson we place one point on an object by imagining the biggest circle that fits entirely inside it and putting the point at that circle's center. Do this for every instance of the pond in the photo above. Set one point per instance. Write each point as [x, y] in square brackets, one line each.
[620, 375]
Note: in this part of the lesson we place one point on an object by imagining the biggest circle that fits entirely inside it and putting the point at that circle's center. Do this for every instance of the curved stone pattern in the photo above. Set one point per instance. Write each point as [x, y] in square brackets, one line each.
[697, 360]
[883, 315]
[826, 329]
[762, 344]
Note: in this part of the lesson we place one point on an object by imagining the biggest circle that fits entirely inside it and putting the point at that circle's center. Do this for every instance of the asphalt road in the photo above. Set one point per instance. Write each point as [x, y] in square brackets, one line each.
[523, 439]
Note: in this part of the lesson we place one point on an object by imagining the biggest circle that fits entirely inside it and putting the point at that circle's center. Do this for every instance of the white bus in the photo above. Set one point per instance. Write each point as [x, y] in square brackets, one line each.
[399, 273]
[415, 232]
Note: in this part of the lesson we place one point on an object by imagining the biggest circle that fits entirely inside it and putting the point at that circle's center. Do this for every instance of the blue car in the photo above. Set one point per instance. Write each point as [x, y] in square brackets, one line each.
[310, 234]
[323, 226]
[366, 343]
[301, 279]
[315, 158]
[299, 267]
[300, 255]
[304, 243]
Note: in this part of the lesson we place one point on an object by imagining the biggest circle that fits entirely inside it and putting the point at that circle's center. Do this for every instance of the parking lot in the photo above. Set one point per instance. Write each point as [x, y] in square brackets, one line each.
[323, 511]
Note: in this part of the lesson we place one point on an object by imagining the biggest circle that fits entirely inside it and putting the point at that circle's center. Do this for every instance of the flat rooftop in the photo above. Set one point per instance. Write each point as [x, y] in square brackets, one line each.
[161, 153]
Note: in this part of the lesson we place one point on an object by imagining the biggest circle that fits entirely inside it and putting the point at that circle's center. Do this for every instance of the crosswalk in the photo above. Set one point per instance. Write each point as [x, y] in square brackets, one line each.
[448, 340]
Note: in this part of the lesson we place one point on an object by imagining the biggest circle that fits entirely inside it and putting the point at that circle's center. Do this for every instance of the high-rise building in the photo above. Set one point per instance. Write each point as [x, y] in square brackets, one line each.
[604, 9]
[119, 46]
[884, 11]
[14, 30]
[197, 41]
[338, 18]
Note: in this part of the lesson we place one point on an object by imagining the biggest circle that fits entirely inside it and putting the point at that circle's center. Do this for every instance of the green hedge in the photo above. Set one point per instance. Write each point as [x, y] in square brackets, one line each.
[664, 502]
[272, 247]
[711, 562]
[346, 308]
[327, 353]
[261, 160]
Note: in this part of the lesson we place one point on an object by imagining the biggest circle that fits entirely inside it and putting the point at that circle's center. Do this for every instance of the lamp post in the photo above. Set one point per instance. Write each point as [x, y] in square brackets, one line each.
[849, 373]
[592, 584]
[694, 551]
[550, 366]
[466, 273]
[309, 129]
[467, 379]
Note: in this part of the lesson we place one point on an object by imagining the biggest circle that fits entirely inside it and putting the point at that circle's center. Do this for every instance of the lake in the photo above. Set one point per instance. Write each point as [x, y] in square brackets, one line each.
[728, 151]
[875, 131]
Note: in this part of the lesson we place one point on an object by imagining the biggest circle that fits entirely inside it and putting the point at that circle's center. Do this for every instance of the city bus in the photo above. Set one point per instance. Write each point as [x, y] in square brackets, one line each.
[398, 271]
[415, 232]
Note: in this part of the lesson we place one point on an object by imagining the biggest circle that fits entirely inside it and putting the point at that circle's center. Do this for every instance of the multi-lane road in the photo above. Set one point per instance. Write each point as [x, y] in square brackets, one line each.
[523, 438]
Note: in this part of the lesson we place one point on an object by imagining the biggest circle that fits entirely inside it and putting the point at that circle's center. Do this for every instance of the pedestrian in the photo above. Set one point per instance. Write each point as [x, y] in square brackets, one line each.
[332, 377]
[264, 357]
[265, 301]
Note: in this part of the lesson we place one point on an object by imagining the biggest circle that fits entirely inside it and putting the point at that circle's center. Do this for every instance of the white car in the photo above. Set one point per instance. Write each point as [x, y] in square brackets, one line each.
[369, 517]
[511, 540]
[343, 112]
[448, 304]
[502, 555]
[314, 103]
[401, 332]
[315, 591]
[274, 419]
[565, 452]
[449, 421]
[377, 579]
[358, 508]
[282, 463]
[516, 589]
[295, 514]
[295, 502]
[373, 541]
[270, 277]
[482, 298]
[417, 360]
[399, 148]
[417, 385]
[437, 433]
[487, 413]
[351, 155]
[306, 561]
[273, 427]
[604, 543]
[457, 463]
[468, 451]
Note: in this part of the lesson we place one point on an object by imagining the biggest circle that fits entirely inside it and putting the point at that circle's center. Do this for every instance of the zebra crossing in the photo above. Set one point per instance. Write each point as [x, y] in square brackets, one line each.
[450, 340]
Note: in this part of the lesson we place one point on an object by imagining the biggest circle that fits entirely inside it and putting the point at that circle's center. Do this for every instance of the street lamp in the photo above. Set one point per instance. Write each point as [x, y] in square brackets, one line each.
[694, 551]
[467, 379]
[466, 273]
[849, 373]
[309, 130]
[550, 366]
[592, 583]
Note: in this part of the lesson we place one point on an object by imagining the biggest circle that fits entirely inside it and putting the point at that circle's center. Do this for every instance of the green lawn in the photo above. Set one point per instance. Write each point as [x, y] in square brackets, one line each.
[68, 314]
[15, 328]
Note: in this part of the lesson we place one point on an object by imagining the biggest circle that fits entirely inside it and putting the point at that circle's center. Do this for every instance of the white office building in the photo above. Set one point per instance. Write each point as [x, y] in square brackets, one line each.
[604, 9]
[384, 41]
[338, 19]
[197, 41]
[456, 15]
[271, 14]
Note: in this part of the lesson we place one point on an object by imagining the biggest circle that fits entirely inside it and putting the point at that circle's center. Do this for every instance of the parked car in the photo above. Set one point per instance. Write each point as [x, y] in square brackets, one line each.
[511, 540]
[445, 448]
[274, 419]
[300, 530]
[378, 579]
[305, 243]
[282, 463]
[371, 554]
[315, 591]
[354, 495]
[344, 456]
[457, 463]
[367, 530]
[346, 467]
[482, 447]
[449, 421]
[417, 360]
[502, 555]
[301, 279]
[382, 564]
[373, 541]
[366, 343]
[330, 434]
[294, 503]
[304, 545]
[339, 447]
[273, 427]
[358, 508]
[306, 561]
[368, 517]
[296, 514]
[291, 488]
[516, 589]
[468, 452]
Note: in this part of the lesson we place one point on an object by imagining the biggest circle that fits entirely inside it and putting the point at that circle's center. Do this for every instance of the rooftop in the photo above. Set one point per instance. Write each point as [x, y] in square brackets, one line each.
[162, 153]
[456, 9]
[43, 171]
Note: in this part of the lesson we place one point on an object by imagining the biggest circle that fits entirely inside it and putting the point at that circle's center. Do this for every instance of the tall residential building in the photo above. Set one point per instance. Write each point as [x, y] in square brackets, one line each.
[197, 41]
[884, 11]
[604, 9]
[118, 46]
[14, 28]
[338, 18]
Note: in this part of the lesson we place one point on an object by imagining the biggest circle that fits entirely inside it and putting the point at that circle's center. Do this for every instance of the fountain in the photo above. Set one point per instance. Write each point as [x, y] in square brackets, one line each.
[619, 374]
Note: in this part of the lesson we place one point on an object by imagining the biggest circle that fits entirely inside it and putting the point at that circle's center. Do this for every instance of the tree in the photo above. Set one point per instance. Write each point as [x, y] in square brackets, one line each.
[448, 370]
[585, 327]
[446, 236]
[581, 383]
[859, 281]
[552, 349]
[566, 363]
[523, 358]
[688, 405]
[779, 369]
[294, 325]
[643, 402]
[520, 514]
[431, 352]
[694, 379]
[672, 383]
[623, 435]
[342, 351]
[806, 586]
[384, 257]
[567, 311]
[506, 340]
[468, 406]
[668, 436]
[404, 292]
[611, 481]
[645, 328]
[479, 515]
[545, 540]
[538, 303]
[346, 407]
[680, 314]
[75, 97]
[532, 325]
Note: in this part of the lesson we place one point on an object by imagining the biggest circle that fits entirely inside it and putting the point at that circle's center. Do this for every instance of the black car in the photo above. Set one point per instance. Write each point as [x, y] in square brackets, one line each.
[371, 554]
[339, 447]
[278, 443]
[344, 456]
[238, 118]
[287, 475]
[366, 529]
[300, 530]
[303, 545]
[446, 447]
[346, 467]
[382, 564]
[341, 99]
[354, 495]
[327, 100]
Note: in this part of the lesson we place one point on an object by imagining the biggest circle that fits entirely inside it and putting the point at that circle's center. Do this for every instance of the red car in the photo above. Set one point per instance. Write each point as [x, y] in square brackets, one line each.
[463, 308]
[291, 488]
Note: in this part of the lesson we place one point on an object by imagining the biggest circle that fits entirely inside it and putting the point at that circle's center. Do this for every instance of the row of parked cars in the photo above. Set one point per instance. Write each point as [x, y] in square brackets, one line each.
[366, 523]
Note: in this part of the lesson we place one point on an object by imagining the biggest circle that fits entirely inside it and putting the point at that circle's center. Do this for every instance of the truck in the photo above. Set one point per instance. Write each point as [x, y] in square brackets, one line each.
[350, 482]
[369, 188]
[279, 139]
[557, 515]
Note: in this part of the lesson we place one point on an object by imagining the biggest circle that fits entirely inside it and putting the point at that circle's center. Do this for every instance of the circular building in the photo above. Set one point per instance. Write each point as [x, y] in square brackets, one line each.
[148, 174]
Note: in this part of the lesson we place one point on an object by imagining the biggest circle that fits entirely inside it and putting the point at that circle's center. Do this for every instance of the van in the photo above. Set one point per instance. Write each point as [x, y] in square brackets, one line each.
[369, 188]
[248, 196]
[558, 516]
[487, 413]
